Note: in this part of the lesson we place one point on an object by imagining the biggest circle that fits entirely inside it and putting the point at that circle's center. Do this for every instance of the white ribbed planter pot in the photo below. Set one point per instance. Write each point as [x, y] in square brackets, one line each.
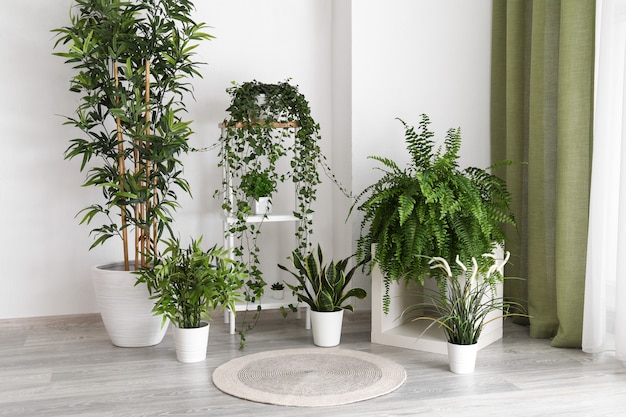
[191, 344]
[462, 358]
[126, 309]
[326, 326]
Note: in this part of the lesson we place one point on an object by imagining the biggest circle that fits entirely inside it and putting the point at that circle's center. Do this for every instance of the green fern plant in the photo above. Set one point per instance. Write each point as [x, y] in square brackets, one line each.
[430, 208]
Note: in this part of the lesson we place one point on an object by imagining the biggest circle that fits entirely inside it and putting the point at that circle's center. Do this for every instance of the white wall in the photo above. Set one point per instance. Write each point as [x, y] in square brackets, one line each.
[360, 63]
[411, 57]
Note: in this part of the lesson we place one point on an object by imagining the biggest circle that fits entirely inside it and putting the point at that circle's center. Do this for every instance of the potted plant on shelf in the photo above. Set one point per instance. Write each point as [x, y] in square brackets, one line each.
[132, 60]
[464, 304]
[270, 131]
[324, 287]
[430, 208]
[259, 187]
[278, 290]
[188, 285]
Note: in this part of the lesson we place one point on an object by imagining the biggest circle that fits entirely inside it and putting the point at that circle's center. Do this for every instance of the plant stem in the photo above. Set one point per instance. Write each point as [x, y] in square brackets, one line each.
[121, 168]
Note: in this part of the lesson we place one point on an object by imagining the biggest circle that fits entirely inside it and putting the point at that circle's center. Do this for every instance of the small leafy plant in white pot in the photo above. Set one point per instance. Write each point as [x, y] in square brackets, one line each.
[187, 286]
[324, 287]
[278, 290]
[464, 304]
[259, 187]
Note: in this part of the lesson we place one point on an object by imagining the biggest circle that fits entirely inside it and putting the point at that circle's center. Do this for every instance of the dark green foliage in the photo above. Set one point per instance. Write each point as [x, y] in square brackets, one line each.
[132, 133]
[253, 145]
[258, 133]
[321, 286]
[257, 184]
[187, 283]
[430, 208]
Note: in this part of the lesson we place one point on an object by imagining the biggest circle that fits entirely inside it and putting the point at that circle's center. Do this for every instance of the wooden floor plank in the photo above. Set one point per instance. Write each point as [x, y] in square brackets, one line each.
[66, 366]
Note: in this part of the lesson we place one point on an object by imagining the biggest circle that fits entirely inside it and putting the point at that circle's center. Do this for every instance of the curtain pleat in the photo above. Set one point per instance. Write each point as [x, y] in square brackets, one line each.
[547, 87]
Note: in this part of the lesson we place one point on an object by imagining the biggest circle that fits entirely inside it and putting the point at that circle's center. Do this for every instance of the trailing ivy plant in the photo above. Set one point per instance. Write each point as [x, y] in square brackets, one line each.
[431, 208]
[132, 62]
[268, 123]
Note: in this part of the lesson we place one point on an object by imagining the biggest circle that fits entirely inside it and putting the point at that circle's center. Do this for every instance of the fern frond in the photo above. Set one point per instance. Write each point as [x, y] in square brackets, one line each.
[430, 208]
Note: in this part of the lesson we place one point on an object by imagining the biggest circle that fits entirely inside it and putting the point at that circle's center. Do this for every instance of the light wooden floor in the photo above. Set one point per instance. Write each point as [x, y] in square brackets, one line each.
[67, 367]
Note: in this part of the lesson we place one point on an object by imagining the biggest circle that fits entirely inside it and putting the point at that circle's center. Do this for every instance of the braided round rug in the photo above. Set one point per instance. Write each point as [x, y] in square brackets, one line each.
[310, 377]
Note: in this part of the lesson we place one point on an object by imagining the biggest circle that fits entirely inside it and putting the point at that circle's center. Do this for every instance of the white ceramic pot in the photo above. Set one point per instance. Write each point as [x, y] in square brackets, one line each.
[278, 294]
[261, 206]
[462, 358]
[126, 309]
[326, 326]
[191, 344]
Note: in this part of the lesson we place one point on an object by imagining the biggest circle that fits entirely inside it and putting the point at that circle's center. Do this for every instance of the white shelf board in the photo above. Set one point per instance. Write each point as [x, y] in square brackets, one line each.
[268, 303]
[270, 218]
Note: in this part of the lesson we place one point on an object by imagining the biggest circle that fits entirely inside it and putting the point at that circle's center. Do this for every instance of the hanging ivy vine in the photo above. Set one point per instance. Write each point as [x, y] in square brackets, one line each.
[267, 123]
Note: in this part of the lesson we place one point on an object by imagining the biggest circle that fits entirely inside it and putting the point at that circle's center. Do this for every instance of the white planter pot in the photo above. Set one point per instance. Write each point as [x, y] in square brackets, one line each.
[278, 294]
[126, 309]
[191, 344]
[261, 206]
[326, 326]
[462, 358]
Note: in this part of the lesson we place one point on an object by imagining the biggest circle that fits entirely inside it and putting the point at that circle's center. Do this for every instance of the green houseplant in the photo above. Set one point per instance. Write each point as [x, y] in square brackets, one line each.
[324, 287]
[190, 284]
[258, 186]
[269, 131]
[278, 290]
[464, 304]
[132, 61]
[430, 208]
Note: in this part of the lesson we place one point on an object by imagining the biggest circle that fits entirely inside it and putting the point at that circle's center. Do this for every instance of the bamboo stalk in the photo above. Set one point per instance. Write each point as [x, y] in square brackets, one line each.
[121, 168]
[151, 239]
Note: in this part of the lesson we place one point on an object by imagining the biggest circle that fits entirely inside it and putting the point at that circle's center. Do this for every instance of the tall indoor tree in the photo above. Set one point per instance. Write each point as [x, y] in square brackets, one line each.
[132, 60]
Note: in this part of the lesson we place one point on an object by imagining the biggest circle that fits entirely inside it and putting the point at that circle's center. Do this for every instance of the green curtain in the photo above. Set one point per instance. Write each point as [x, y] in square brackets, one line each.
[542, 114]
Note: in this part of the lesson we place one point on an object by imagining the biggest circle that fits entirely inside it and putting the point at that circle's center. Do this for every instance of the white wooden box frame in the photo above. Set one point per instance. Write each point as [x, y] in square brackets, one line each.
[392, 330]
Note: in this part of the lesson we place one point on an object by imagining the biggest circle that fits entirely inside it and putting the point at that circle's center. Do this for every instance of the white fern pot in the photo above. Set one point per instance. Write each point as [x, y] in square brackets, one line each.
[261, 206]
[126, 309]
[191, 344]
[326, 326]
[462, 358]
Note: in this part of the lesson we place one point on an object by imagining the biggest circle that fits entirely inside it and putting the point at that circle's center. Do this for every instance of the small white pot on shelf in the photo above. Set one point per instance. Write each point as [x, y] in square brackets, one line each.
[261, 206]
[277, 294]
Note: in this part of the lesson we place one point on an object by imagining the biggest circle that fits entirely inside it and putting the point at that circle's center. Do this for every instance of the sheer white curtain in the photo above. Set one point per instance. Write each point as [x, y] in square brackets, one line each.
[604, 326]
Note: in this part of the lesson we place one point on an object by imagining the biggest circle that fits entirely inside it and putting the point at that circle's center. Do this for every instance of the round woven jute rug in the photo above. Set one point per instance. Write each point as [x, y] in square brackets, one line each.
[310, 377]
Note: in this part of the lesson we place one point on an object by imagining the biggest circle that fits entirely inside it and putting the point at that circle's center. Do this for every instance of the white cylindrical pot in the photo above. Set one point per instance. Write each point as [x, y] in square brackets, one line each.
[326, 326]
[191, 344]
[278, 294]
[462, 358]
[261, 206]
[126, 308]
